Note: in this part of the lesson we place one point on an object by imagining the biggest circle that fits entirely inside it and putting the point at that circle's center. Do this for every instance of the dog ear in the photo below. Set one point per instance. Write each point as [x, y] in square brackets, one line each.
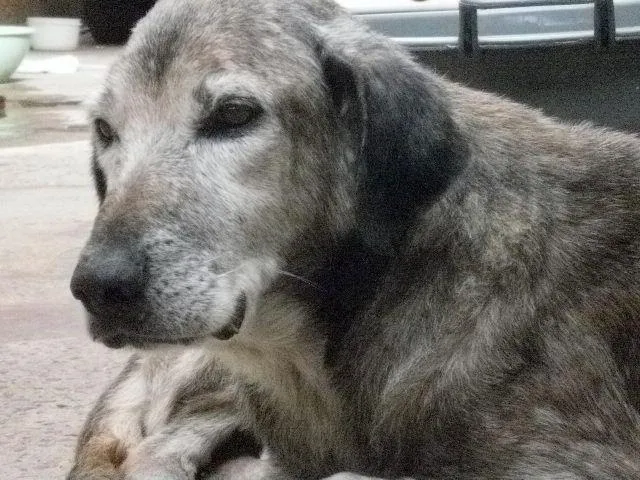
[408, 150]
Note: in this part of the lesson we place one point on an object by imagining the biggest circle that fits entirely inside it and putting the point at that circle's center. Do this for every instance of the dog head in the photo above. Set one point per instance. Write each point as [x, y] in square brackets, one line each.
[235, 139]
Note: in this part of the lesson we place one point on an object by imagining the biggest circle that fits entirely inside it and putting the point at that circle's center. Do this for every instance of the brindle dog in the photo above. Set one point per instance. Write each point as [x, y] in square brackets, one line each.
[334, 260]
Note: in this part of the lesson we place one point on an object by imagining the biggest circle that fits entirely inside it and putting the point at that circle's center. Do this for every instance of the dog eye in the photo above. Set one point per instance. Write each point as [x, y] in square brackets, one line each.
[230, 117]
[105, 133]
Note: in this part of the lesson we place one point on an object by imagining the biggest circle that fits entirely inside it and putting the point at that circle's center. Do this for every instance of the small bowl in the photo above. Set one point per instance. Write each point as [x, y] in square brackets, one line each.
[14, 45]
[54, 33]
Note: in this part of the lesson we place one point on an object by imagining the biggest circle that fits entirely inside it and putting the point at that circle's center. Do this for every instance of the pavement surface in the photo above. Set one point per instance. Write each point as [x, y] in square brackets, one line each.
[50, 371]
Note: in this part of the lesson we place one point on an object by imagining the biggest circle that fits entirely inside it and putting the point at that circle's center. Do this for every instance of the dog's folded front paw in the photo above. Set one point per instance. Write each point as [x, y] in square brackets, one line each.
[157, 474]
[158, 468]
[99, 459]
[80, 473]
[247, 468]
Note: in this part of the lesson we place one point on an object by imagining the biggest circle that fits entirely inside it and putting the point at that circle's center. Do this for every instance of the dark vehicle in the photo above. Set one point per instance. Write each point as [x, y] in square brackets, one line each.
[111, 21]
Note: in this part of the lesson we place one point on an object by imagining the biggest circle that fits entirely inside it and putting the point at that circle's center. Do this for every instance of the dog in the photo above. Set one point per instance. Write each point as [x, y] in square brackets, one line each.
[333, 262]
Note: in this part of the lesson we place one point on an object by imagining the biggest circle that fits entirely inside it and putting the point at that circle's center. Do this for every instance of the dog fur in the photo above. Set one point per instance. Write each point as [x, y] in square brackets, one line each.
[417, 279]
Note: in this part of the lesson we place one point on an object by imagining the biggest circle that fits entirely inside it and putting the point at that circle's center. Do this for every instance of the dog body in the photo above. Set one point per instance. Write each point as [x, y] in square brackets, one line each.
[418, 279]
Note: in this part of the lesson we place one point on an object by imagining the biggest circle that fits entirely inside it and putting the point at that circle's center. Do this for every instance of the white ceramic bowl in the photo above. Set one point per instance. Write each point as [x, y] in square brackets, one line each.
[52, 33]
[14, 44]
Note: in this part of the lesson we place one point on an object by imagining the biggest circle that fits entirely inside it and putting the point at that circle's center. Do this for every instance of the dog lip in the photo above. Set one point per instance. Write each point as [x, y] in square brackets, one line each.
[120, 339]
[117, 338]
[237, 319]
[115, 341]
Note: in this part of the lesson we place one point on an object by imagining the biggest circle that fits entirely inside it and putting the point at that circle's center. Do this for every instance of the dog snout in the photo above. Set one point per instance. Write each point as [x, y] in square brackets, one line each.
[109, 279]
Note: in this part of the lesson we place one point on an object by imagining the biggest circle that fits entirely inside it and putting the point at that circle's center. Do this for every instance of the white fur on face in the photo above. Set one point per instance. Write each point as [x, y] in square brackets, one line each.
[213, 217]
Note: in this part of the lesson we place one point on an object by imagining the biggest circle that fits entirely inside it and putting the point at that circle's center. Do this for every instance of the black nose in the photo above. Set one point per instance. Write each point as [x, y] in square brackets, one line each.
[109, 279]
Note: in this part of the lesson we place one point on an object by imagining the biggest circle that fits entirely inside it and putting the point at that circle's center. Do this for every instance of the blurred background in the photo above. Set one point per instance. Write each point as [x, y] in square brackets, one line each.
[16, 11]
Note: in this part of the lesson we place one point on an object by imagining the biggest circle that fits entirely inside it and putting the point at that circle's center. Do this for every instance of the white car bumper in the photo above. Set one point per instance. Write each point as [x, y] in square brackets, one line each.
[435, 24]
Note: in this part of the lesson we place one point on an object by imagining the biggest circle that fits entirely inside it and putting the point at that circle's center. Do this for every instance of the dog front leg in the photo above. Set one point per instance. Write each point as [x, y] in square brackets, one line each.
[160, 419]
[180, 449]
[112, 428]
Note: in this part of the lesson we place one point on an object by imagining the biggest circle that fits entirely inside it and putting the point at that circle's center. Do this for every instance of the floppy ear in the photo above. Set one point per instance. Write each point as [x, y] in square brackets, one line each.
[408, 148]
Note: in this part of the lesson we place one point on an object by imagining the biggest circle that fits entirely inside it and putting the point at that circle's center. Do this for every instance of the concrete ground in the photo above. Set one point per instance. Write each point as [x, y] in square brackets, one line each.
[50, 371]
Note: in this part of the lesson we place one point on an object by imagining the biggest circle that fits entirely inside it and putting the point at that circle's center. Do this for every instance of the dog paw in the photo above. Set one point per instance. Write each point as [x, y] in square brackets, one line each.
[246, 468]
[158, 471]
[79, 473]
[346, 476]
[156, 475]
[353, 476]
[153, 467]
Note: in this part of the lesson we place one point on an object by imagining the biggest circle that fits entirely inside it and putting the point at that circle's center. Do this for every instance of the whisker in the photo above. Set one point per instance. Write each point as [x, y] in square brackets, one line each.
[302, 279]
[228, 272]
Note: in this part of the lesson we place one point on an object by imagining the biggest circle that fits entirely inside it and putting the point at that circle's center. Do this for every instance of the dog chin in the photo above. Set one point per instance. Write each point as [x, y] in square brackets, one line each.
[123, 338]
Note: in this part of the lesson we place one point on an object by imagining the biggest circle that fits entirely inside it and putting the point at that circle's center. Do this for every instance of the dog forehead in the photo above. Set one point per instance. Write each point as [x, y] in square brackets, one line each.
[176, 47]
[170, 58]
[204, 35]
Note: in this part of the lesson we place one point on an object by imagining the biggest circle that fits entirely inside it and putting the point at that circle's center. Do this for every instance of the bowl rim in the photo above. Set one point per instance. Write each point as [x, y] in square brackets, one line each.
[42, 21]
[15, 31]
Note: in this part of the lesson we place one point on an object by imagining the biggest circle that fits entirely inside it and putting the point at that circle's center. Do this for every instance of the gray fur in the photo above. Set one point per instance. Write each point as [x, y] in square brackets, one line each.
[423, 280]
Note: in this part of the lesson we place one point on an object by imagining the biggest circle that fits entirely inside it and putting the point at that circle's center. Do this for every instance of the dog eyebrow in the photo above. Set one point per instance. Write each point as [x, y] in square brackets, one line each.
[102, 103]
[203, 95]
[224, 82]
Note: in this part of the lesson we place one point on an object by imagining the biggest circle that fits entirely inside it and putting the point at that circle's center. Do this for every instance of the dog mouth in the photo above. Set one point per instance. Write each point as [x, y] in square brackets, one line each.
[120, 339]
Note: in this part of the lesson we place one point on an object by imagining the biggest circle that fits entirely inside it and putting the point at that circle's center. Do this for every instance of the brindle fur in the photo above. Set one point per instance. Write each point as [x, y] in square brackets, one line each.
[431, 281]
